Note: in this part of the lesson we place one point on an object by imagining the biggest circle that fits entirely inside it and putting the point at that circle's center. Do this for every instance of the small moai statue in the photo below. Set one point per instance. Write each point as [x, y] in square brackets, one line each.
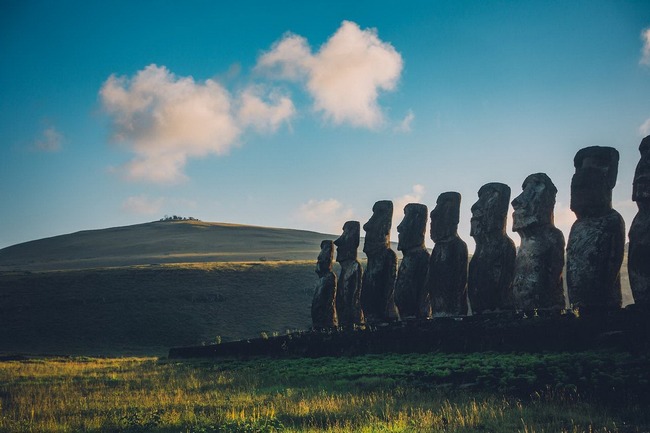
[378, 294]
[492, 268]
[446, 279]
[411, 296]
[323, 305]
[540, 260]
[597, 238]
[638, 264]
[348, 294]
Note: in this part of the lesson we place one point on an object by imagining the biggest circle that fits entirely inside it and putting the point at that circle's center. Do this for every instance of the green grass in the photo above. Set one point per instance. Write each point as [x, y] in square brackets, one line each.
[390, 393]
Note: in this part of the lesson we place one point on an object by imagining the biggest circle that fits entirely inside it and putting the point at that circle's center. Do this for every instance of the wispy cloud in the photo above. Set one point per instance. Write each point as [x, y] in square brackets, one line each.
[50, 140]
[405, 124]
[143, 205]
[324, 215]
[644, 129]
[645, 50]
[399, 203]
[344, 77]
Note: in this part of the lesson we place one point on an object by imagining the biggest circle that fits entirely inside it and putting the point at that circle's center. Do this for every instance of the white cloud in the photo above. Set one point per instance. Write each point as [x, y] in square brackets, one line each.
[415, 196]
[645, 51]
[405, 124]
[143, 205]
[50, 140]
[344, 77]
[324, 215]
[165, 119]
[263, 116]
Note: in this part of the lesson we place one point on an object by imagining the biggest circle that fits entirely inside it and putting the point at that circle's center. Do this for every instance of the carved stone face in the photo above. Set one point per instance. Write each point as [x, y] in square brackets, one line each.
[445, 216]
[412, 228]
[593, 181]
[490, 211]
[378, 227]
[534, 206]
[348, 242]
[324, 263]
[641, 183]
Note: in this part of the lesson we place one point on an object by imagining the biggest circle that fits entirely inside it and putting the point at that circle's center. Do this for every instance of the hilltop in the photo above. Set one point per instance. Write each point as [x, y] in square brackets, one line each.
[162, 242]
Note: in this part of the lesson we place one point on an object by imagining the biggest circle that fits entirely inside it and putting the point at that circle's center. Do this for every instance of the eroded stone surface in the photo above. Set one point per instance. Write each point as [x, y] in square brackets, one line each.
[491, 269]
[378, 294]
[411, 296]
[323, 305]
[597, 238]
[348, 294]
[540, 259]
[446, 279]
[639, 249]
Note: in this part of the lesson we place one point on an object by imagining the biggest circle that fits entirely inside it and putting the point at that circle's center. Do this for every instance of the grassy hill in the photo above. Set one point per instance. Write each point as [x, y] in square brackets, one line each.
[144, 288]
[162, 242]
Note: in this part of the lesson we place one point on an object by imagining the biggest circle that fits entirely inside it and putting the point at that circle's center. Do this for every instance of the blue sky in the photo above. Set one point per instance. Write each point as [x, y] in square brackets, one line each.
[303, 114]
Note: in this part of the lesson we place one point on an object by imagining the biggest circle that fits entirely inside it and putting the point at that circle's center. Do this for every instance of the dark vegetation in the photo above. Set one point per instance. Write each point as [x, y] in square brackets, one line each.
[145, 310]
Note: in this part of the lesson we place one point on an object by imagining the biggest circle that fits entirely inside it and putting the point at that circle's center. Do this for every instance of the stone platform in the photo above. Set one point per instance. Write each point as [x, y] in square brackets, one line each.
[627, 329]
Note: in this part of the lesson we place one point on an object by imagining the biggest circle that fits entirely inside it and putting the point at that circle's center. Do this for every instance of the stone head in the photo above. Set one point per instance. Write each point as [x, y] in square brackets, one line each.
[324, 263]
[348, 242]
[445, 216]
[490, 211]
[378, 227]
[593, 181]
[412, 228]
[641, 183]
[534, 206]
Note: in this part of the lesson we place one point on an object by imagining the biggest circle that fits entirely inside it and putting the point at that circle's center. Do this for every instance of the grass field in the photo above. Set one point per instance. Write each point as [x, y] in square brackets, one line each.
[488, 392]
[145, 310]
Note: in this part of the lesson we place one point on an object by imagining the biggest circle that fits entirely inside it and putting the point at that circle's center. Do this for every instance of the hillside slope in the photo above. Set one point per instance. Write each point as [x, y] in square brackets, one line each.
[144, 310]
[162, 242]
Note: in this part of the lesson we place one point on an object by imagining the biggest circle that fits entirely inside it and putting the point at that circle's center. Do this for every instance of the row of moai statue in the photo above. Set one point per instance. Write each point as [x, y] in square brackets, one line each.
[498, 278]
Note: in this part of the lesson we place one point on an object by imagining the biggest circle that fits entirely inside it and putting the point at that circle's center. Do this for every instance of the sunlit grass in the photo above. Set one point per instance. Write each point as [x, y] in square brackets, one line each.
[144, 394]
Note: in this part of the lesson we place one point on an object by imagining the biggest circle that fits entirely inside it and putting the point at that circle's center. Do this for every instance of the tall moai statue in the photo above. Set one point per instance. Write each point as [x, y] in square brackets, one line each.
[348, 294]
[446, 279]
[638, 264]
[540, 259]
[378, 294]
[491, 270]
[411, 296]
[597, 238]
[323, 305]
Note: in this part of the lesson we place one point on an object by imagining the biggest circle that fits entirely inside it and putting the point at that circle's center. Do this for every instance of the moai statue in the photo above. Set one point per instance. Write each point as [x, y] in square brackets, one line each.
[446, 279]
[348, 294]
[378, 294]
[597, 238]
[323, 306]
[638, 264]
[411, 296]
[540, 259]
[491, 270]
